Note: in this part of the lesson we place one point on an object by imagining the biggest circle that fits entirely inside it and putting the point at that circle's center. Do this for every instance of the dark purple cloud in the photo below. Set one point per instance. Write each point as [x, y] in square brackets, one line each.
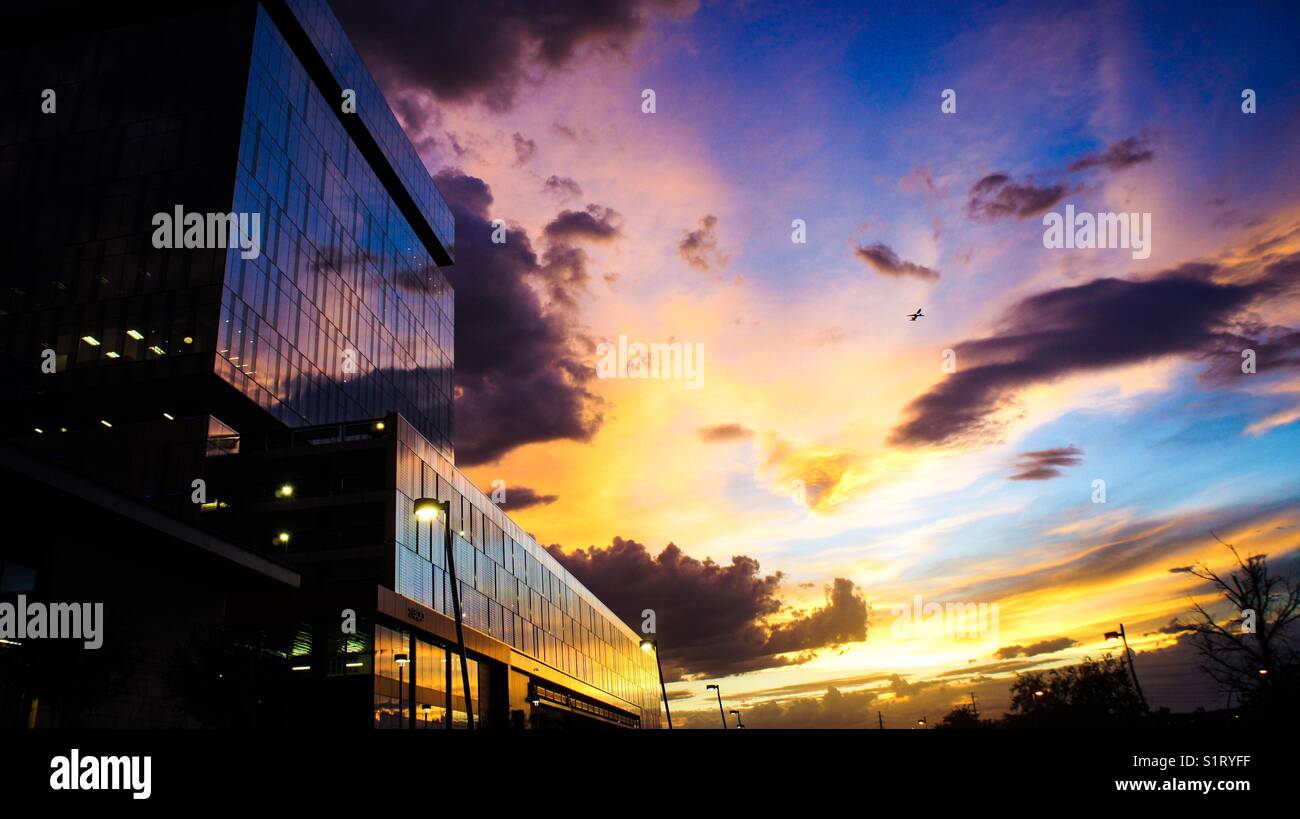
[725, 432]
[997, 197]
[522, 497]
[699, 247]
[714, 620]
[562, 186]
[485, 51]
[595, 224]
[1044, 464]
[883, 258]
[1034, 649]
[1105, 323]
[524, 148]
[1120, 155]
[520, 377]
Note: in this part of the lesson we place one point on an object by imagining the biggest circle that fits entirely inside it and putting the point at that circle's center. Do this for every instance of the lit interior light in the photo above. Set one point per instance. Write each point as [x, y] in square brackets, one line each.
[105, 423]
[157, 350]
[358, 665]
[188, 340]
[39, 431]
[283, 537]
[169, 416]
[135, 334]
[302, 668]
[91, 340]
[285, 491]
[112, 354]
[63, 429]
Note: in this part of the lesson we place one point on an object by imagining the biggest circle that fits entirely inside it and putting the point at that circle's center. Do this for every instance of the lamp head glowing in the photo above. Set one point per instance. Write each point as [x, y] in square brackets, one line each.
[1112, 636]
[647, 645]
[401, 659]
[427, 508]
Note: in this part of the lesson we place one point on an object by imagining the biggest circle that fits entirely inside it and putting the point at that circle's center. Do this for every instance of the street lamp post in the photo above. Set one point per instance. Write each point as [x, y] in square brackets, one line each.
[650, 645]
[718, 689]
[430, 509]
[1128, 654]
[739, 724]
[401, 660]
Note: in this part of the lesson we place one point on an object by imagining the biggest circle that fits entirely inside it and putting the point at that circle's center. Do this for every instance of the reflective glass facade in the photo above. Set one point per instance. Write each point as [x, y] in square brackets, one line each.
[511, 588]
[102, 129]
[344, 314]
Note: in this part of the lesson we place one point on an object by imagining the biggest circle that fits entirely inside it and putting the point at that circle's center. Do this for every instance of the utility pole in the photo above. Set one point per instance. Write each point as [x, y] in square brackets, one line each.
[974, 709]
[881, 718]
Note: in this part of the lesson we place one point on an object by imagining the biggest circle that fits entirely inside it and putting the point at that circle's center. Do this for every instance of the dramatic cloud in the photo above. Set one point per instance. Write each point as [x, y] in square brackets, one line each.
[1042, 464]
[1034, 649]
[522, 497]
[715, 620]
[997, 197]
[725, 432]
[519, 378]
[1118, 156]
[699, 247]
[883, 258]
[597, 224]
[524, 149]
[1107, 322]
[562, 186]
[823, 476]
[486, 50]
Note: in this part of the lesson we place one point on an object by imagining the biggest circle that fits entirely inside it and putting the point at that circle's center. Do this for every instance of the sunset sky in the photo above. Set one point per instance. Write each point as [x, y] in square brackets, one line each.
[826, 442]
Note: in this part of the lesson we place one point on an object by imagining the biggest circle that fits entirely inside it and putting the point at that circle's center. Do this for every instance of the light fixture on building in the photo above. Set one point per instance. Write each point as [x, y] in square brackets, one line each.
[285, 491]
[283, 537]
[169, 416]
[91, 340]
[111, 354]
[427, 509]
[105, 423]
[379, 425]
[135, 334]
[301, 668]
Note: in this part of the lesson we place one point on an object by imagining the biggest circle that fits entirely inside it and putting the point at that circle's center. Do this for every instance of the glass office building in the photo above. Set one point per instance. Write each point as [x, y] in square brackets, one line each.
[324, 361]
[342, 314]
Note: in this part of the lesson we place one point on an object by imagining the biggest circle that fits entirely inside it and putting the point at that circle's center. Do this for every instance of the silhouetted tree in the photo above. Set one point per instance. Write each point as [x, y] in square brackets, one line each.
[1092, 694]
[964, 716]
[1250, 654]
